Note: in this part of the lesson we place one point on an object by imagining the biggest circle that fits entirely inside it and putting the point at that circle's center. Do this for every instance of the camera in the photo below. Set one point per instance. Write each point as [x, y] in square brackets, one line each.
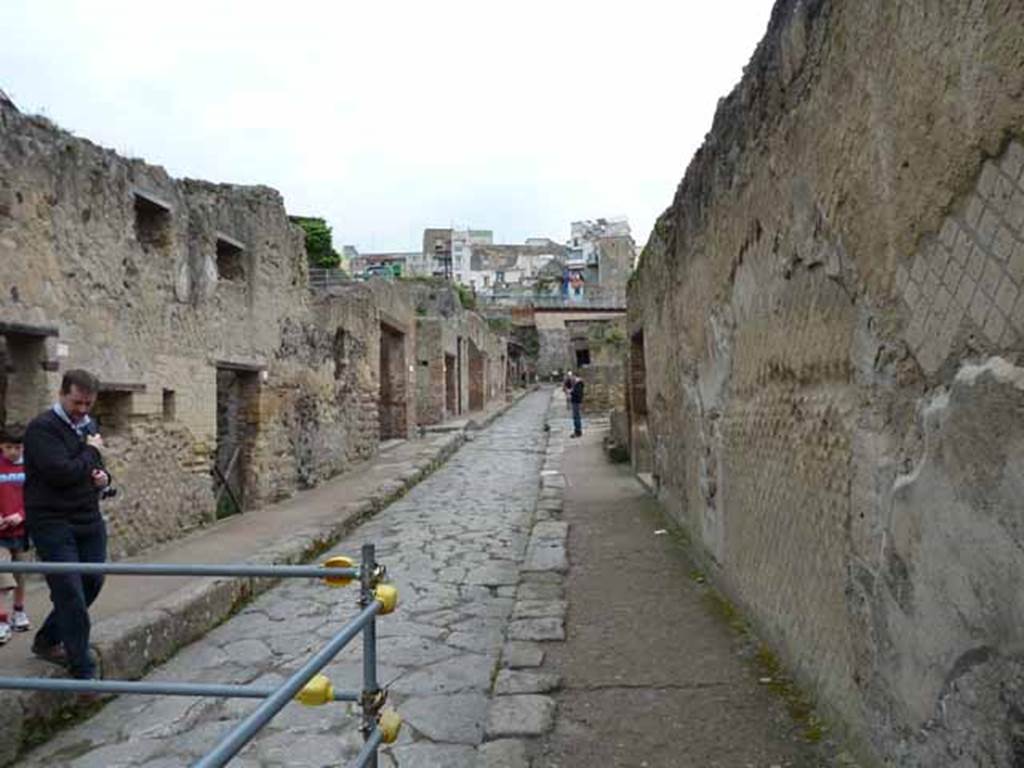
[109, 491]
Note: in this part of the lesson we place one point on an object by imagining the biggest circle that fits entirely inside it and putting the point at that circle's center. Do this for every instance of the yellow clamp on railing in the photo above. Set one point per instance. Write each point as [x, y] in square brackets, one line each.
[390, 723]
[387, 596]
[317, 692]
[338, 562]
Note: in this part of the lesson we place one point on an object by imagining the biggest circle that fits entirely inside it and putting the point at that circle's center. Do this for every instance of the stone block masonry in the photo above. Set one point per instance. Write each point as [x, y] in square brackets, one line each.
[967, 280]
[825, 341]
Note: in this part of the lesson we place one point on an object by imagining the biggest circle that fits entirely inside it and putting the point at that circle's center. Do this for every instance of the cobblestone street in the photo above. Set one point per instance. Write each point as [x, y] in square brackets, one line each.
[453, 546]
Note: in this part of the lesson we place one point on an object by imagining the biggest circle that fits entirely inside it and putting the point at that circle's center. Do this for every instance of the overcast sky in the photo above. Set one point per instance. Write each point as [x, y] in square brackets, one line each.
[388, 117]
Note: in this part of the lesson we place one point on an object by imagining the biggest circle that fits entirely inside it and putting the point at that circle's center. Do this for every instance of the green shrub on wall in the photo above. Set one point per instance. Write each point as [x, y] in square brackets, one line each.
[319, 247]
[466, 296]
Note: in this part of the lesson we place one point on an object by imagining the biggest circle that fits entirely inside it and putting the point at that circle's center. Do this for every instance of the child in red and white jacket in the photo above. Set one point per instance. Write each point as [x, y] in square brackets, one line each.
[13, 538]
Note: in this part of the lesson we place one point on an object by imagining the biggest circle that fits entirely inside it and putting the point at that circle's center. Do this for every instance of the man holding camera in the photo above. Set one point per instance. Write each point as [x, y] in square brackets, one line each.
[64, 477]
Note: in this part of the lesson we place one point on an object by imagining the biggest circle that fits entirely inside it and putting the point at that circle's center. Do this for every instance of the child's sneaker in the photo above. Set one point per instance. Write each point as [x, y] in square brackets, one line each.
[5, 632]
[20, 622]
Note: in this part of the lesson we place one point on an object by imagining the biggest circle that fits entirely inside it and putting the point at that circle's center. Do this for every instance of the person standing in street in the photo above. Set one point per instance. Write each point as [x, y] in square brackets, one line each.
[64, 475]
[576, 400]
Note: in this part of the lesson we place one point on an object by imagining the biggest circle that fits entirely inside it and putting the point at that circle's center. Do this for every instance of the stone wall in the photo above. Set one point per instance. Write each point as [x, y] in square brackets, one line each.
[431, 371]
[830, 317]
[152, 284]
[449, 334]
[604, 376]
[357, 316]
[615, 265]
[556, 350]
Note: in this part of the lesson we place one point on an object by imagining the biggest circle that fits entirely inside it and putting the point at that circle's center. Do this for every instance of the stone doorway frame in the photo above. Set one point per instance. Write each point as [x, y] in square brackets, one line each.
[237, 415]
[451, 389]
[393, 385]
[640, 451]
[477, 376]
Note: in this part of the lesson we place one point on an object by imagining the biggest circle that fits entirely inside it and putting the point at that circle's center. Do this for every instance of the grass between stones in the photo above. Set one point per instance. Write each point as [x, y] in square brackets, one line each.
[764, 661]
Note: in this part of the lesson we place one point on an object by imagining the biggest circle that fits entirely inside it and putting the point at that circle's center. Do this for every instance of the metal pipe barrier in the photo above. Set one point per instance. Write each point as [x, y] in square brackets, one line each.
[71, 685]
[324, 571]
[378, 725]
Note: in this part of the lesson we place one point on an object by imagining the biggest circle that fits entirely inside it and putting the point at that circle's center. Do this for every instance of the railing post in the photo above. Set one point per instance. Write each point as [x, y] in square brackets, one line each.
[370, 699]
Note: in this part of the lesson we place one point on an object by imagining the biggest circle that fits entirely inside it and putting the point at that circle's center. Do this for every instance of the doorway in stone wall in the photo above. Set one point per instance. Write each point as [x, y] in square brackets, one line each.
[458, 375]
[237, 419]
[450, 389]
[477, 385]
[636, 381]
[393, 390]
[24, 390]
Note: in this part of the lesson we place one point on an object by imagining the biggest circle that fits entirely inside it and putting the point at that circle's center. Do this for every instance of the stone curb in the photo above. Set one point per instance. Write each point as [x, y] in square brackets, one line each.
[130, 644]
[519, 712]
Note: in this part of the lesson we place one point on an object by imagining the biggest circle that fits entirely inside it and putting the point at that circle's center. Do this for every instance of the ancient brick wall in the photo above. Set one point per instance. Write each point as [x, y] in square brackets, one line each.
[158, 286]
[449, 335]
[125, 264]
[556, 348]
[830, 319]
[555, 353]
[163, 287]
[615, 265]
[431, 373]
[604, 374]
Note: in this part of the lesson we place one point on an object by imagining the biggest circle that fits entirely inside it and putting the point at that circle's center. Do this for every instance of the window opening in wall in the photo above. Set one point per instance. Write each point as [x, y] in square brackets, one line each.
[582, 357]
[230, 259]
[24, 390]
[112, 411]
[169, 409]
[152, 220]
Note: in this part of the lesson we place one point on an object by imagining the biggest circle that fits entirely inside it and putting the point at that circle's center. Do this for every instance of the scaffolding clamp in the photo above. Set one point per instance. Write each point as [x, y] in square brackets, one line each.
[338, 561]
[317, 692]
[387, 596]
[389, 723]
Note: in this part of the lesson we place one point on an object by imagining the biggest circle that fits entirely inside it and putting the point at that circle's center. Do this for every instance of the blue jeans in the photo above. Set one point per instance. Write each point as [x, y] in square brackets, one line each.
[71, 594]
[577, 420]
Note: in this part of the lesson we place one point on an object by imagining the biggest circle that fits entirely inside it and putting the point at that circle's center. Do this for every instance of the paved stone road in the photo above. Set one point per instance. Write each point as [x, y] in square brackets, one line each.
[453, 546]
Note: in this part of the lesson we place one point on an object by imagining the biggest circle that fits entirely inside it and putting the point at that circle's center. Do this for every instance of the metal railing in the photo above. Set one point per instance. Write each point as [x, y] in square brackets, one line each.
[553, 301]
[307, 685]
[321, 277]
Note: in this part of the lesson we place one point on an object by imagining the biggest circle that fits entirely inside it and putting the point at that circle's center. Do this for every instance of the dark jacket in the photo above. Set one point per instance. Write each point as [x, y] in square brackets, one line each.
[577, 392]
[58, 473]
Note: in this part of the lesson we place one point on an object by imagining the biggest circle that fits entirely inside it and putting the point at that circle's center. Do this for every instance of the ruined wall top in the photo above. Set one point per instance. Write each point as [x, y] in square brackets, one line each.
[126, 260]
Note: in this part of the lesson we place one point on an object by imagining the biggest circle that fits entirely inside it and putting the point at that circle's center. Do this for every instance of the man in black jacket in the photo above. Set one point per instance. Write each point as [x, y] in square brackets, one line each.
[64, 475]
[576, 401]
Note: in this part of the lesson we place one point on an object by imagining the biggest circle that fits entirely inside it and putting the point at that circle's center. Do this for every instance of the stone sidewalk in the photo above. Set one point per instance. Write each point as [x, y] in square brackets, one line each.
[141, 621]
[656, 668]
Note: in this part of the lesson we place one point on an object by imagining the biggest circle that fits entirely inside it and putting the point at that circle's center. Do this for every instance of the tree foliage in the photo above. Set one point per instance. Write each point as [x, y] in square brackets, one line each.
[319, 247]
[466, 296]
